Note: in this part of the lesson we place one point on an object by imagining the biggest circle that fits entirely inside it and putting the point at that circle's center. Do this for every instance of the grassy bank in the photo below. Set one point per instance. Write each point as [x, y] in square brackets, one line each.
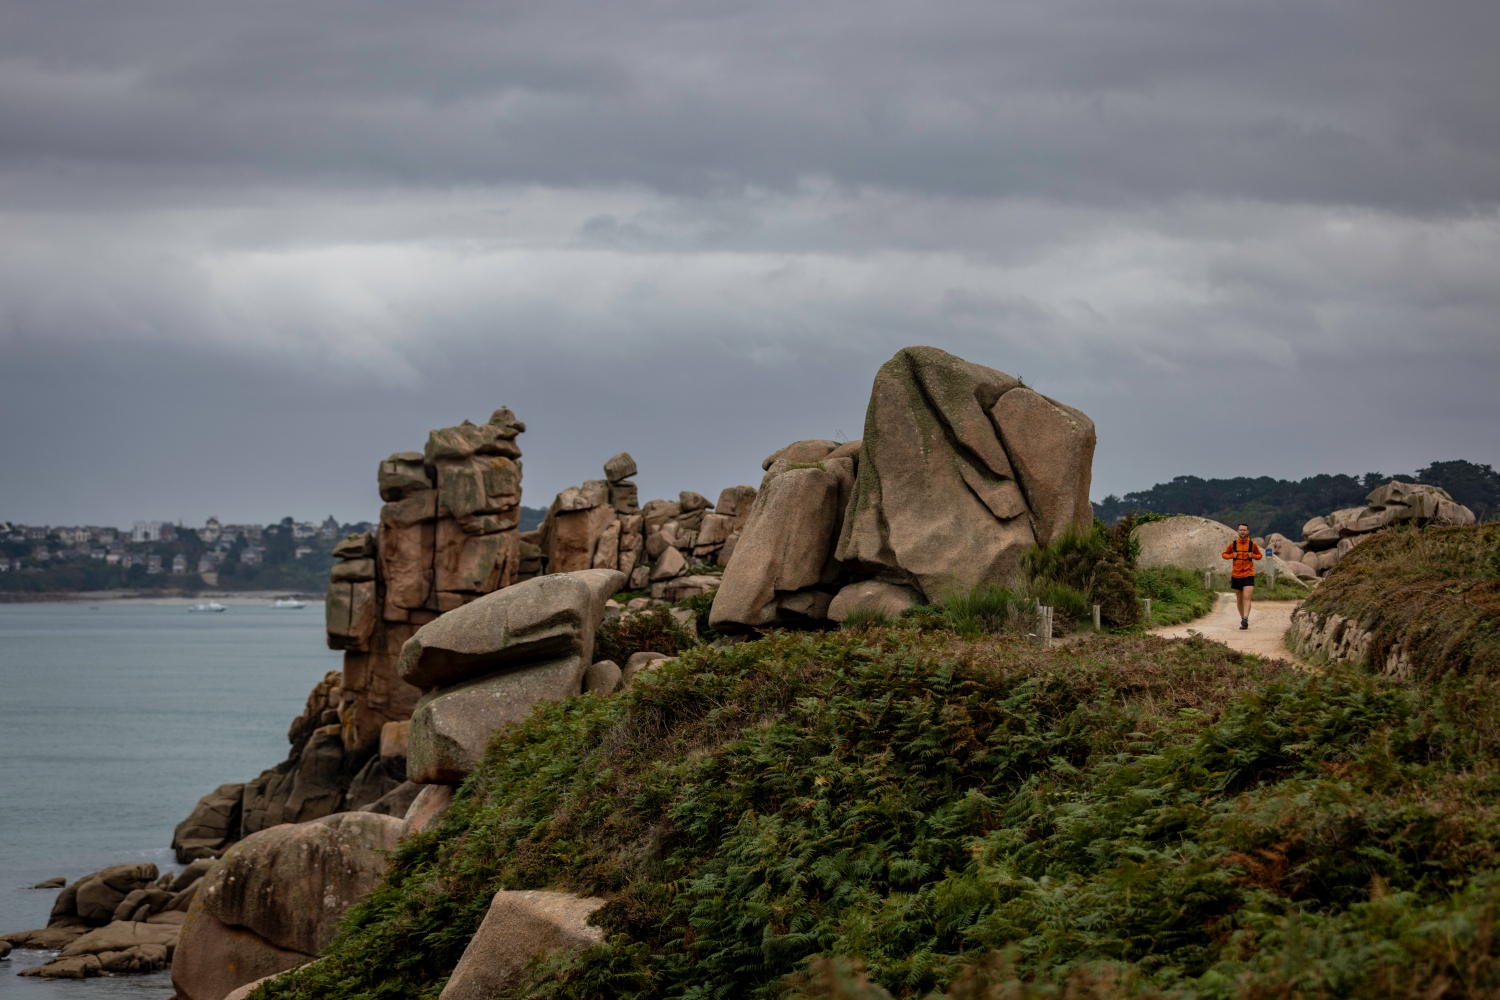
[929, 813]
[1435, 590]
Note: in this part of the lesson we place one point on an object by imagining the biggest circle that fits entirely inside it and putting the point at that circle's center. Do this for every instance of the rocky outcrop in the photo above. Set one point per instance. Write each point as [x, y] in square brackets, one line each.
[487, 663]
[121, 919]
[600, 525]
[448, 534]
[1326, 540]
[961, 469]
[274, 900]
[518, 927]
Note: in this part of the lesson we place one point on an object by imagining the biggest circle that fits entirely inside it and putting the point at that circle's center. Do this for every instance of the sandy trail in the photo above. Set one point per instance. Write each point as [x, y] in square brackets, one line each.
[1269, 621]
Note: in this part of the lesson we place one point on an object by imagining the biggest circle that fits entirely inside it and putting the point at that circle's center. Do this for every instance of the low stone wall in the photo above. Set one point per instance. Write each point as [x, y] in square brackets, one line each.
[1337, 638]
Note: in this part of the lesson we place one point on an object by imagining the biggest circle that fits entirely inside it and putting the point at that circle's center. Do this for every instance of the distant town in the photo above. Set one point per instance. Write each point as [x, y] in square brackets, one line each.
[161, 556]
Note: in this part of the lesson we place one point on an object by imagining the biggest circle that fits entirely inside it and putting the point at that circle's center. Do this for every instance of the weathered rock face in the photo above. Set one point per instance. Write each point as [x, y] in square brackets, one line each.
[214, 821]
[518, 927]
[486, 664]
[542, 619]
[786, 543]
[448, 534]
[960, 470]
[939, 499]
[454, 723]
[274, 900]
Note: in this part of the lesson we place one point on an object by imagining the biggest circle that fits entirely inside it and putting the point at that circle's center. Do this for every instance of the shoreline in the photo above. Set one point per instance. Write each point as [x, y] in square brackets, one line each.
[154, 596]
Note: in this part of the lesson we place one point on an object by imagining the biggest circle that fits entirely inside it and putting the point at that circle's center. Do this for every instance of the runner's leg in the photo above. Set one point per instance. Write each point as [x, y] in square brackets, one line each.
[1248, 595]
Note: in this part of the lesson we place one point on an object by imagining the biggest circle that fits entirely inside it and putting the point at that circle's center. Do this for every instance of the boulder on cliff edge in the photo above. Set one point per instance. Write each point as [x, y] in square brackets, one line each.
[547, 618]
[274, 900]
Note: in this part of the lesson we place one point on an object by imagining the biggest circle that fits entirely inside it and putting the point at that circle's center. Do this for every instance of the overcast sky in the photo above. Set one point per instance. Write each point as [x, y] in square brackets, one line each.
[248, 249]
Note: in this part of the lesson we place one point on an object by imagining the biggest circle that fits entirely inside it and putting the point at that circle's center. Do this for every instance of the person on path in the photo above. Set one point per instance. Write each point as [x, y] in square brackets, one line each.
[1242, 575]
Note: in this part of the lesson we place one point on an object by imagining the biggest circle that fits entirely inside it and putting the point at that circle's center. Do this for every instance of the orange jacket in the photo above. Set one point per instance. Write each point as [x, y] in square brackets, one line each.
[1242, 551]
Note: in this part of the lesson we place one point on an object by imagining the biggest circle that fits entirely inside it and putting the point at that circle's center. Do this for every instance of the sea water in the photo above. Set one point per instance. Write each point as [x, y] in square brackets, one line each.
[114, 718]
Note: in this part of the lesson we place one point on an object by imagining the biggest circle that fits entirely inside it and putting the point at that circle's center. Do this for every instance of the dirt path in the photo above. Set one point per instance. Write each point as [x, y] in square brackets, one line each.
[1269, 621]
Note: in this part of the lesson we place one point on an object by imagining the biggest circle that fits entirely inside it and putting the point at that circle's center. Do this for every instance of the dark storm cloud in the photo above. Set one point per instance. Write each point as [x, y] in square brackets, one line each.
[1365, 103]
[248, 249]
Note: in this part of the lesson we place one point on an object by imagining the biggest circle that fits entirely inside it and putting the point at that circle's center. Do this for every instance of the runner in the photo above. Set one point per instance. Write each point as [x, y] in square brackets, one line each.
[1242, 577]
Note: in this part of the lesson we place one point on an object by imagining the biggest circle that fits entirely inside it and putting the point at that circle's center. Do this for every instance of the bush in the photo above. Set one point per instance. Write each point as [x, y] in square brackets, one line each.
[1176, 593]
[861, 619]
[985, 608]
[1098, 564]
[653, 631]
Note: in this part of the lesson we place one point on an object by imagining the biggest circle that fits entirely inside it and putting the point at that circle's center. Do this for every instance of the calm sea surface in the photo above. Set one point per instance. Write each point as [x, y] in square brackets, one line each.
[114, 719]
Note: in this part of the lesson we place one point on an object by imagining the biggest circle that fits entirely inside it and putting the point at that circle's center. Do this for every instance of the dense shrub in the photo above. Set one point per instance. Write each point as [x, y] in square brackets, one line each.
[1125, 814]
[653, 631]
[1098, 564]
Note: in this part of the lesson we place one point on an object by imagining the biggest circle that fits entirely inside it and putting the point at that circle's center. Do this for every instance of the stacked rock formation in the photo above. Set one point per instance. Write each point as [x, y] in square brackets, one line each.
[666, 545]
[449, 533]
[487, 663]
[1326, 540]
[960, 470]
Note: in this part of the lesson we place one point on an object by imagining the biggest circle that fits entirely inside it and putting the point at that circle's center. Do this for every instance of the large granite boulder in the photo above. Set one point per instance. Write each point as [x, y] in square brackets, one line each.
[518, 927]
[1193, 542]
[785, 545]
[949, 470]
[486, 664]
[453, 724]
[961, 470]
[547, 618]
[274, 900]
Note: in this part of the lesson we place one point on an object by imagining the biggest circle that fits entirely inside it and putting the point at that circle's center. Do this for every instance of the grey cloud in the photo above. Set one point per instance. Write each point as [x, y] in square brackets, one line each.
[252, 248]
[1355, 103]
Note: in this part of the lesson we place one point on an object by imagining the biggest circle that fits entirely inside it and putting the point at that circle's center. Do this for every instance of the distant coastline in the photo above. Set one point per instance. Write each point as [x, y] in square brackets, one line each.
[229, 597]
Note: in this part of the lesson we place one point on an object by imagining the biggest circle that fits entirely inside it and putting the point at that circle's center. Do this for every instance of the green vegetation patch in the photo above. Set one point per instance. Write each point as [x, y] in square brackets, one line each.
[1435, 590]
[931, 814]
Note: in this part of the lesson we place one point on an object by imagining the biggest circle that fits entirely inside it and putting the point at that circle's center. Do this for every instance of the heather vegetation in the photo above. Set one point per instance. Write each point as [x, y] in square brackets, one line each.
[1435, 590]
[936, 806]
[939, 814]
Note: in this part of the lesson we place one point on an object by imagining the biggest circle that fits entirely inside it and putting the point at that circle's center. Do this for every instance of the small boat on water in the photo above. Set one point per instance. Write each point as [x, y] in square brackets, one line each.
[288, 602]
[210, 606]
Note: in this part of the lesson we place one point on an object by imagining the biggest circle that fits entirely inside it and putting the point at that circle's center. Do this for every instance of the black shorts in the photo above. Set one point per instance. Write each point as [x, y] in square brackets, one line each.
[1241, 582]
